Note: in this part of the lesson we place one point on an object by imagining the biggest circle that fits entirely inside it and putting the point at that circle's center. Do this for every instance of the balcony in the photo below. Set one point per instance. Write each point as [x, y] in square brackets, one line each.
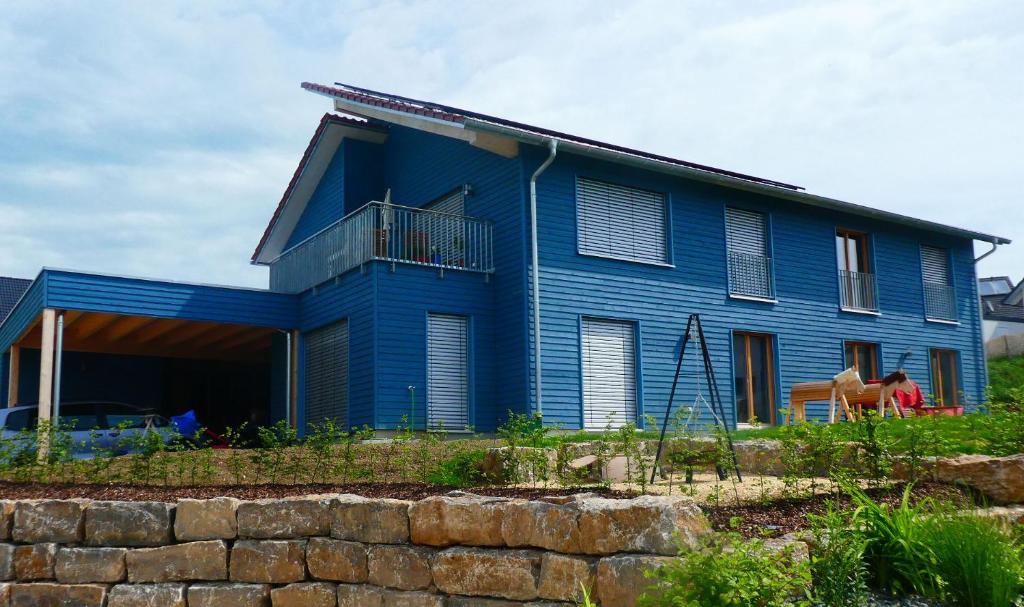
[385, 232]
[857, 291]
[750, 276]
[939, 302]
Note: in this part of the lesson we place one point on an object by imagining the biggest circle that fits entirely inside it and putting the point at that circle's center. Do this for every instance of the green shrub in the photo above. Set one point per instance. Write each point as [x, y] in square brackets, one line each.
[978, 561]
[728, 572]
[1005, 376]
[463, 470]
[837, 562]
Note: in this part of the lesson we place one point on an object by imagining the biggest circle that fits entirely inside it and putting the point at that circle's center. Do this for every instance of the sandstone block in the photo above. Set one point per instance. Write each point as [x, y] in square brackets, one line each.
[401, 598]
[84, 565]
[402, 567]
[621, 580]
[212, 519]
[147, 595]
[6, 519]
[35, 561]
[57, 595]
[507, 574]
[229, 595]
[284, 518]
[563, 577]
[307, 594]
[6, 562]
[467, 520]
[5, 594]
[199, 561]
[647, 524]
[48, 521]
[999, 478]
[268, 561]
[462, 601]
[542, 525]
[336, 560]
[128, 523]
[360, 595]
[377, 521]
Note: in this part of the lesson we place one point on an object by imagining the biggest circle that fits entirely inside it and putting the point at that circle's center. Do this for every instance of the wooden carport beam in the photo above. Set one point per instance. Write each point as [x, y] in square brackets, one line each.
[46, 377]
[15, 374]
[127, 326]
[93, 324]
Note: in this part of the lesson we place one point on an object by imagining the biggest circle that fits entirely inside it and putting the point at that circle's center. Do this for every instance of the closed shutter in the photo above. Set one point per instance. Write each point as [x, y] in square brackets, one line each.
[746, 232]
[609, 373]
[935, 265]
[622, 222]
[451, 203]
[327, 374]
[447, 372]
[445, 229]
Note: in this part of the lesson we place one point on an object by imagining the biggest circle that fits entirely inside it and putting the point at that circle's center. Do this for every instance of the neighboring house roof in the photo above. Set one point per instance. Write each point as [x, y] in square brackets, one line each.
[11, 290]
[995, 285]
[385, 107]
[995, 307]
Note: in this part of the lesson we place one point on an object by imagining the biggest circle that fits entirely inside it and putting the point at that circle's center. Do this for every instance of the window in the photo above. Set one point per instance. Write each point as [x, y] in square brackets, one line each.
[620, 222]
[863, 357]
[856, 282]
[754, 377]
[609, 373]
[945, 377]
[939, 299]
[327, 374]
[447, 372]
[746, 241]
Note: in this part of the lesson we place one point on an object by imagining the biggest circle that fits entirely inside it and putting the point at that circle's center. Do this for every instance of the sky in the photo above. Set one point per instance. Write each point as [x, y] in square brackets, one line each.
[156, 138]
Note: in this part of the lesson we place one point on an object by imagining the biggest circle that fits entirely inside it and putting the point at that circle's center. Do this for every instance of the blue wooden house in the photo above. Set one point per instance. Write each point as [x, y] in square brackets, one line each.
[402, 285]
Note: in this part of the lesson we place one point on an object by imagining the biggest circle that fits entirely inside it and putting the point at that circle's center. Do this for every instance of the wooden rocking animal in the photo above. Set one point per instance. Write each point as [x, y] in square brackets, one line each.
[883, 394]
[847, 382]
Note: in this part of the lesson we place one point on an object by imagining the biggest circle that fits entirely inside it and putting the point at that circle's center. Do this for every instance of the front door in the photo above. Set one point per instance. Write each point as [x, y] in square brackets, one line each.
[754, 376]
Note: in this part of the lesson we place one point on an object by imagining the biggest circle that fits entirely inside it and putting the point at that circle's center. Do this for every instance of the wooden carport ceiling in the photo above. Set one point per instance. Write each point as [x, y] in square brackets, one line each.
[147, 336]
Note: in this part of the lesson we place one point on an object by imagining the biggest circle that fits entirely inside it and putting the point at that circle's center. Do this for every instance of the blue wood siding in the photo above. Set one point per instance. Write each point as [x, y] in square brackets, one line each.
[422, 167]
[404, 298]
[327, 202]
[806, 322]
[161, 299]
[350, 297]
[364, 173]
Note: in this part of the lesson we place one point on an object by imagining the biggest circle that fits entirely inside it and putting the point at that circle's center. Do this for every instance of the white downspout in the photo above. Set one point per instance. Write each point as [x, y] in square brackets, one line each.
[552, 151]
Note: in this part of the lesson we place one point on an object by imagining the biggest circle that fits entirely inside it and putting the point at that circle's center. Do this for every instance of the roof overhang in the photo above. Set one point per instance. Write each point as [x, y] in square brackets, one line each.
[502, 134]
[321, 149]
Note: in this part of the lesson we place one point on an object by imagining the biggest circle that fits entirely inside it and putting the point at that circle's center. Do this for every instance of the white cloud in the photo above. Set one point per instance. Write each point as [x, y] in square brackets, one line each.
[156, 138]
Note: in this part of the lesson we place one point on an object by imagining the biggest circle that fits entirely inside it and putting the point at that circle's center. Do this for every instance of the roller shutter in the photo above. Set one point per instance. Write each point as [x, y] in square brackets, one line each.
[935, 265]
[327, 374]
[746, 232]
[447, 372]
[622, 222]
[609, 373]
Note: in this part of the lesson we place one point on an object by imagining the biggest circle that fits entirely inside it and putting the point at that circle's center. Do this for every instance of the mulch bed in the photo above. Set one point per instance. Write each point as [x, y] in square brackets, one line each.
[405, 491]
[780, 517]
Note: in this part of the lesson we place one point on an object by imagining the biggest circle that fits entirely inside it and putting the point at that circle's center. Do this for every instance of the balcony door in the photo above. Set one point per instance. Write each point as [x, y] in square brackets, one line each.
[863, 357]
[856, 282]
[945, 377]
[608, 348]
[447, 372]
[754, 376]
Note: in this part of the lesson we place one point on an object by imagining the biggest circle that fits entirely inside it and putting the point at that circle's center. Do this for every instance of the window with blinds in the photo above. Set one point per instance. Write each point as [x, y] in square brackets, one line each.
[447, 372]
[939, 297]
[609, 373]
[326, 363]
[746, 241]
[621, 222]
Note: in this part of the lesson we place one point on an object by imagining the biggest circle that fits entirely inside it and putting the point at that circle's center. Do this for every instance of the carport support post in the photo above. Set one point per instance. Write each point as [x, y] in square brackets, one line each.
[15, 372]
[46, 379]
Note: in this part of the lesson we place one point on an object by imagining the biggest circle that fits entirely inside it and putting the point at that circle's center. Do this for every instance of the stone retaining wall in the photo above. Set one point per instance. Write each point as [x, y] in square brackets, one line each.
[339, 550]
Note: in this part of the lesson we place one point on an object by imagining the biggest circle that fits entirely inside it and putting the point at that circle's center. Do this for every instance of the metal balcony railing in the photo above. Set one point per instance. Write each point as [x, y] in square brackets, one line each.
[939, 301]
[385, 232]
[857, 291]
[750, 275]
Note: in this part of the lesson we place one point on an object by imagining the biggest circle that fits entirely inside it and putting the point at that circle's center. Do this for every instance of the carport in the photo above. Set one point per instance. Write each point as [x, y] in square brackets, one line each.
[227, 352]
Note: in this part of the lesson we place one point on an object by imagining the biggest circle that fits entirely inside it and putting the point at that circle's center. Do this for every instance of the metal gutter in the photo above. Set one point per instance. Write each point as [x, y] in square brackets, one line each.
[731, 182]
[535, 257]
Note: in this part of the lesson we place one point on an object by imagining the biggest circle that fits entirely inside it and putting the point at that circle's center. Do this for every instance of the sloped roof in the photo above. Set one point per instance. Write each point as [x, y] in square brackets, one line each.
[325, 121]
[11, 290]
[427, 115]
[995, 307]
